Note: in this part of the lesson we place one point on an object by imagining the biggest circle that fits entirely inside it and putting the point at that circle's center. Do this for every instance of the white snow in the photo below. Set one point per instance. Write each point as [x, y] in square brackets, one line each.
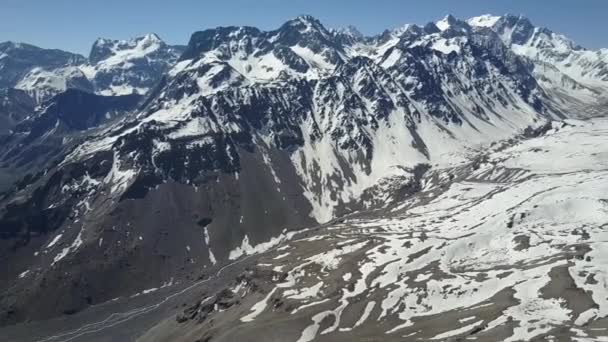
[247, 249]
[123, 60]
[366, 312]
[446, 46]
[149, 290]
[315, 60]
[457, 332]
[64, 252]
[43, 84]
[212, 257]
[466, 235]
[258, 308]
[54, 241]
[72, 248]
[281, 256]
[206, 235]
[443, 24]
[486, 20]
[117, 178]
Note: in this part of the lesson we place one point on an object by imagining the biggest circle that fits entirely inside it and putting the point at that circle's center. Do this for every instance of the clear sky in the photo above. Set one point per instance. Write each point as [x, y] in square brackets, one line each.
[73, 25]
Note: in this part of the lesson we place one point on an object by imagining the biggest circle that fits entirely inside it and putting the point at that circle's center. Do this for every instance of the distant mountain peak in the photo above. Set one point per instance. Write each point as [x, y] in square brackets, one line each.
[128, 66]
[305, 24]
[151, 37]
[485, 20]
[351, 31]
[451, 22]
[8, 45]
[306, 18]
[431, 28]
[402, 29]
[446, 22]
[103, 48]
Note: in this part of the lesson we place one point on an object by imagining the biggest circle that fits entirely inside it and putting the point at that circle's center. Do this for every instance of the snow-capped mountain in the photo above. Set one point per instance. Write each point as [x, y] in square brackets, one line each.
[569, 72]
[350, 116]
[18, 59]
[120, 67]
[42, 84]
[114, 67]
[251, 136]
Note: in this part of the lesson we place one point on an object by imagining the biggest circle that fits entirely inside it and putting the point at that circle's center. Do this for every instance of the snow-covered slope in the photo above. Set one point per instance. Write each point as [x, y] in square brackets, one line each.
[511, 247]
[43, 84]
[17, 59]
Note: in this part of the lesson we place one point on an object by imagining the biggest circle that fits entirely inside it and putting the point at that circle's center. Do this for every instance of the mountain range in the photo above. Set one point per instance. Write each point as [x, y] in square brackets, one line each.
[305, 170]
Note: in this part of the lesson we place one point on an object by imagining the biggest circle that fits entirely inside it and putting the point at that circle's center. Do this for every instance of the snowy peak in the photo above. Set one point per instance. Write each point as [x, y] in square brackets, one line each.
[22, 50]
[514, 29]
[486, 20]
[17, 59]
[300, 48]
[120, 67]
[348, 35]
[411, 30]
[221, 39]
[519, 30]
[42, 84]
[105, 48]
[556, 59]
[114, 67]
[305, 24]
[446, 22]
[451, 22]
[304, 31]
[350, 31]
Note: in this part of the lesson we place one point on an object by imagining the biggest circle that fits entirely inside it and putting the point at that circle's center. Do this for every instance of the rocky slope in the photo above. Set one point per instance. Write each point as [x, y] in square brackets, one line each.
[15, 105]
[252, 136]
[39, 140]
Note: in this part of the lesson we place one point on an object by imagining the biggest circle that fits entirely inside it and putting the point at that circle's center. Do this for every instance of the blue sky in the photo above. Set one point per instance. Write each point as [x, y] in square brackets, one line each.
[74, 24]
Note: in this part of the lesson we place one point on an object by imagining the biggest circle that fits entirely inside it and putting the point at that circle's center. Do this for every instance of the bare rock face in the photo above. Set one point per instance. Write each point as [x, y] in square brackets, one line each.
[15, 105]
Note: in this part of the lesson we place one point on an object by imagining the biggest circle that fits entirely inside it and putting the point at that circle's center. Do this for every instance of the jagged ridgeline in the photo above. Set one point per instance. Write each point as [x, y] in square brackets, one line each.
[146, 163]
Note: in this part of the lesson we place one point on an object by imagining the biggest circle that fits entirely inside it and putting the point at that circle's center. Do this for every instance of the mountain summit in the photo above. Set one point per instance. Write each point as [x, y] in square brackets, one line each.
[129, 66]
